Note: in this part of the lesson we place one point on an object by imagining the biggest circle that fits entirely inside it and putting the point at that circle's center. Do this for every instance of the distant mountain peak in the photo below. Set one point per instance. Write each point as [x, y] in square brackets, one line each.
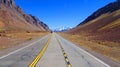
[62, 29]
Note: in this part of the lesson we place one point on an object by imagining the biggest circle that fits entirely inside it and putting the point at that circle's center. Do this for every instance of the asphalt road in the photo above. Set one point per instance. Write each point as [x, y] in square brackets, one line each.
[24, 56]
[51, 51]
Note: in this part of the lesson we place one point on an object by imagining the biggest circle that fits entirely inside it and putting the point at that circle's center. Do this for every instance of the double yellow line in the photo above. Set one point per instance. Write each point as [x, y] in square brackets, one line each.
[35, 61]
[65, 55]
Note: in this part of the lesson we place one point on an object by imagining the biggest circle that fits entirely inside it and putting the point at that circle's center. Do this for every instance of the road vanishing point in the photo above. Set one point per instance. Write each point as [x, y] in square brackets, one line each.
[51, 50]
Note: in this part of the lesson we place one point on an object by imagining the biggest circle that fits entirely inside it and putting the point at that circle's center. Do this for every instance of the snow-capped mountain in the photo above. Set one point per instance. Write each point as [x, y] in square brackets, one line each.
[62, 29]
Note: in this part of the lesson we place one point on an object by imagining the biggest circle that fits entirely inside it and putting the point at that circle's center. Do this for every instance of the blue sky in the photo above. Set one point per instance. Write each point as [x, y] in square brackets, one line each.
[61, 13]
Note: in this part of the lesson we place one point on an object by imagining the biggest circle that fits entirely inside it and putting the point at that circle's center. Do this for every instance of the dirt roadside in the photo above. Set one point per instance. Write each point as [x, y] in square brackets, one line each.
[17, 40]
[88, 46]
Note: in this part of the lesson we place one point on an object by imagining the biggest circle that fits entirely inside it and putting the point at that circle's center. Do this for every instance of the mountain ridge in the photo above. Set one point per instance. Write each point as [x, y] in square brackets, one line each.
[100, 33]
[13, 18]
[111, 7]
[104, 27]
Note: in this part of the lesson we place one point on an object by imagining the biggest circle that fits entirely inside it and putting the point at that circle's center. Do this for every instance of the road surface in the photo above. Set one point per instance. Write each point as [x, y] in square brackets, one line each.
[51, 51]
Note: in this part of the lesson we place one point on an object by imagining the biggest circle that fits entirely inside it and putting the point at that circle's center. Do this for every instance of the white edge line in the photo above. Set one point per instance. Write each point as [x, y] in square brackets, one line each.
[94, 57]
[91, 55]
[19, 49]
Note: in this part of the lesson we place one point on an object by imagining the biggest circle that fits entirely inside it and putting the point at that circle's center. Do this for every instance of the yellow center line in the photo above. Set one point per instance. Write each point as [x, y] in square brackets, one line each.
[64, 54]
[67, 60]
[35, 61]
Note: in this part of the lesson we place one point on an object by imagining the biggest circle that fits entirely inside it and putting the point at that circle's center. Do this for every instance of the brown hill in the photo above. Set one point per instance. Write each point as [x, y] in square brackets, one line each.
[100, 32]
[13, 18]
[105, 25]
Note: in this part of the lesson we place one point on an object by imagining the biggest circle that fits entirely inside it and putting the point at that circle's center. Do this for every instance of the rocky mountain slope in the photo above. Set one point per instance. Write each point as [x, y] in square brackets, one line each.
[104, 24]
[13, 18]
[100, 32]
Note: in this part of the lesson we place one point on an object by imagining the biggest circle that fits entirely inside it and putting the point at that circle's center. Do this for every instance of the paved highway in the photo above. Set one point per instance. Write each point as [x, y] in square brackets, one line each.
[24, 56]
[51, 51]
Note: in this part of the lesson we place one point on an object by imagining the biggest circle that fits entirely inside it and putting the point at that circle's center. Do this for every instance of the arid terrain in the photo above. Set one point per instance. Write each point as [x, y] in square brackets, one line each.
[107, 48]
[17, 27]
[21, 42]
[100, 32]
[8, 40]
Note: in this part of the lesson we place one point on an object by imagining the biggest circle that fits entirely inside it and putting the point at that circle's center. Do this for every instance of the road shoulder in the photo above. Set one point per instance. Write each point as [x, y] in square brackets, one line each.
[21, 45]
